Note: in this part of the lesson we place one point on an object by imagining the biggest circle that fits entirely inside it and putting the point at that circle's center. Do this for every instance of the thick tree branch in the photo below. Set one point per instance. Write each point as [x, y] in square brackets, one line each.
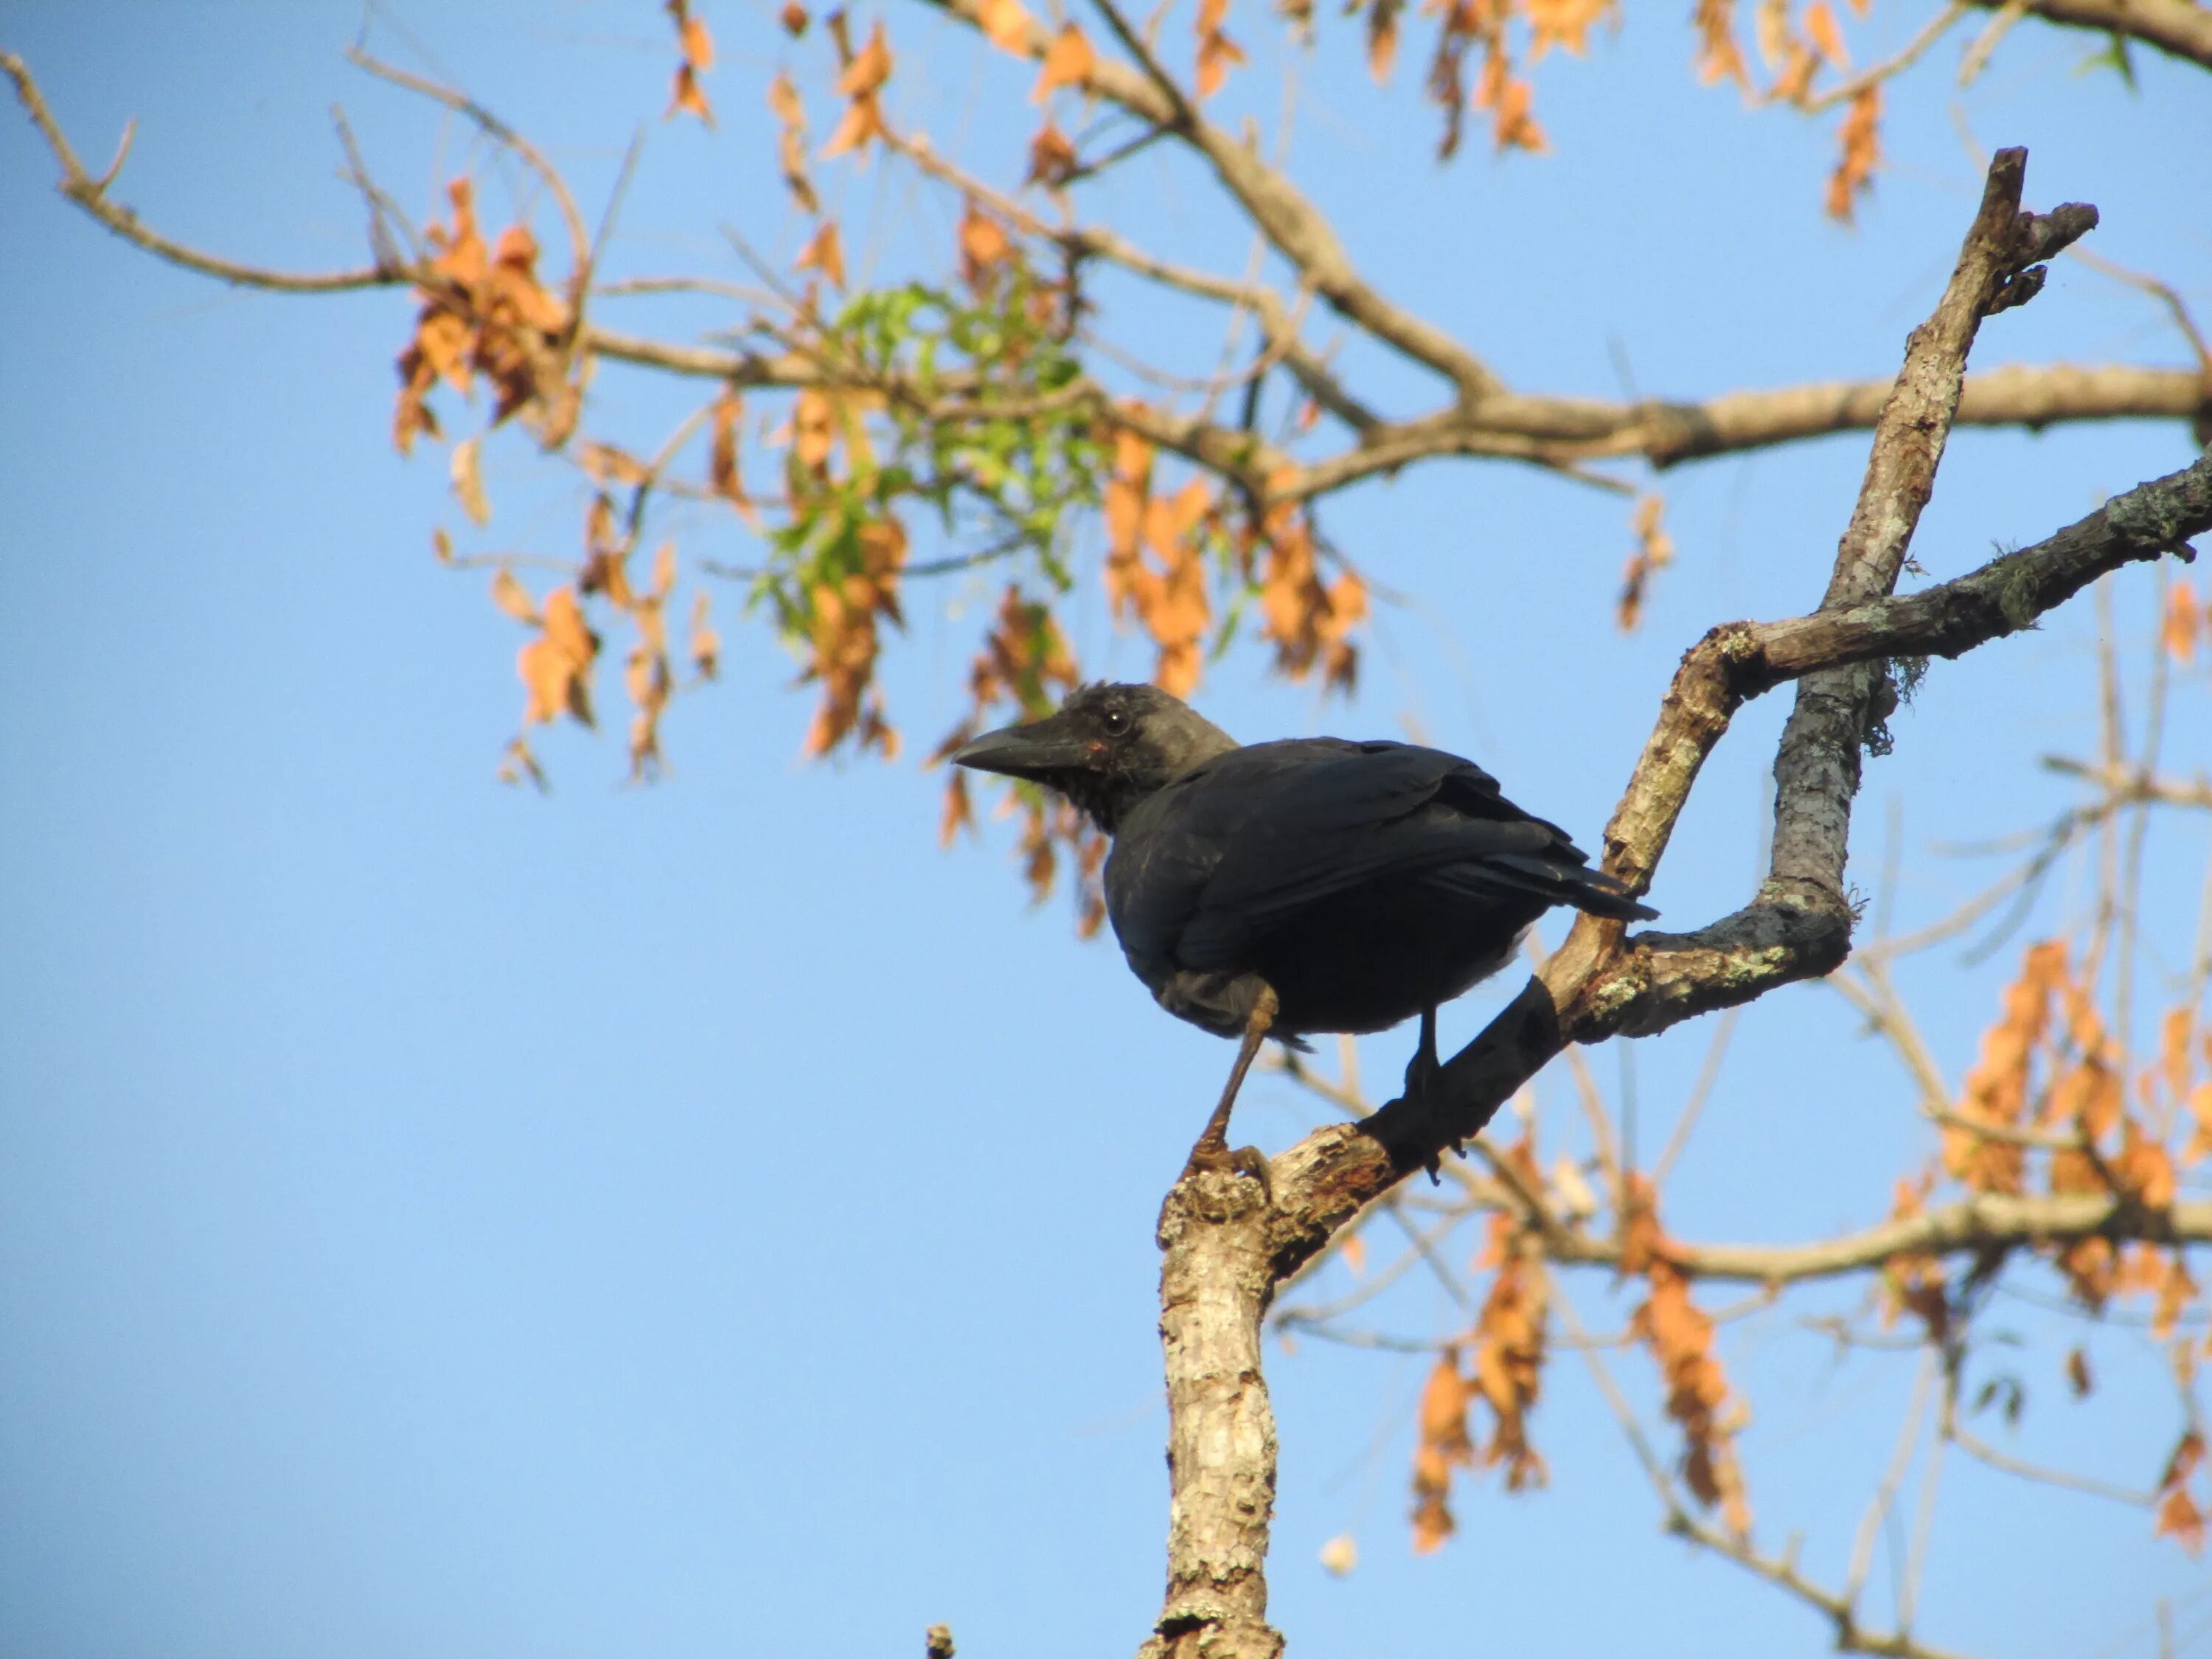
[1597, 986]
[2180, 28]
[1816, 770]
[1215, 1225]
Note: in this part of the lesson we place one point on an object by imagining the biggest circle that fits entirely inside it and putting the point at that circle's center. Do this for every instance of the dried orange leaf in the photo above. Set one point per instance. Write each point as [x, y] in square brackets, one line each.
[510, 596]
[705, 643]
[2185, 618]
[862, 121]
[1383, 37]
[468, 482]
[823, 252]
[1006, 25]
[1827, 33]
[1068, 63]
[1215, 51]
[698, 45]
[870, 68]
[687, 97]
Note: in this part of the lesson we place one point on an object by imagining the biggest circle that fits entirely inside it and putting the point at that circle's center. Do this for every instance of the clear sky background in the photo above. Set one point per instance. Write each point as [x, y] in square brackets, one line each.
[439, 1220]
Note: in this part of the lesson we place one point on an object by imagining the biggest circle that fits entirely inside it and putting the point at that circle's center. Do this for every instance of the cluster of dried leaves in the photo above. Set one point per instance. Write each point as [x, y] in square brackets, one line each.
[485, 312]
[1507, 1345]
[2048, 1108]
[1185, 555]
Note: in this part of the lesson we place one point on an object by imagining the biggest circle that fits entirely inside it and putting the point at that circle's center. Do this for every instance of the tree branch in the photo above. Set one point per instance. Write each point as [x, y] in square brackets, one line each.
[1986, 1222]
[91, 194]
[1292, 224]
[1800, 924]
[2178, 28]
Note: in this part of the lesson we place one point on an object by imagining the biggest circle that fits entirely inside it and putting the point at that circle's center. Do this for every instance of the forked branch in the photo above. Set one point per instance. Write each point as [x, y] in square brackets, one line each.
[1229, 1245]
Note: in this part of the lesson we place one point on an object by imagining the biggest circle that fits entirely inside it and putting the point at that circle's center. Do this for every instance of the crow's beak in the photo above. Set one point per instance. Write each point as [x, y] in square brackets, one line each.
[1038, 750]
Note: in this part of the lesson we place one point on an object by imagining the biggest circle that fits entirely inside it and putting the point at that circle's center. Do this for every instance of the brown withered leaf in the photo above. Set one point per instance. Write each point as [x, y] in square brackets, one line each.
[959, 812]
[1006, 26]
[1383, 37]
[794, 19]
[863, 121]
[2176, 1290]
[687, 97]
[510, 596]
[467, 470]
[2179, 1516]
[813, 429]
[605, 463]
[1440, 1445]
[1509, 100]
[518, 763]
[704, 642]
[1566, 24]
[2199, 1104]
[442, 545]
[2079, 1377]
[2184, 619]
[2173, 1060]
[984, 244]
[1052, 158]
[1068, 63]
[1827, 34]
[549, 679]
[1859, 140]
[1655, 551]
[2144, 1169]
[784, 103]
[1215, 51]
[722, 472]
[566, 626]
[692, 33]
[1718, 55]
[823, 252]
[869, 67]
[2180, 1519]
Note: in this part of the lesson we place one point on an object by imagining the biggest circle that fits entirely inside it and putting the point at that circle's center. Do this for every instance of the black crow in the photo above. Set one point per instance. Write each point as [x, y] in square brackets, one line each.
[1311, 884]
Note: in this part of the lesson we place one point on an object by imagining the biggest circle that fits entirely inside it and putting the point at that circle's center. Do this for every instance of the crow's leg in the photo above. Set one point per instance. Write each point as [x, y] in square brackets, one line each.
[1424, 1068]
[1422, 1073]
[1211, 1150]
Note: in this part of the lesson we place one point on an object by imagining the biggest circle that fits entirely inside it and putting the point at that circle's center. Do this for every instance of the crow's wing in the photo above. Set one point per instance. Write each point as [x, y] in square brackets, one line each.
[1236, 848]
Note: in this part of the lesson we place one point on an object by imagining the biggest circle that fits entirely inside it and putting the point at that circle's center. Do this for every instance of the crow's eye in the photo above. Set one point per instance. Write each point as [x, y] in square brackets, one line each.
[1116, 722]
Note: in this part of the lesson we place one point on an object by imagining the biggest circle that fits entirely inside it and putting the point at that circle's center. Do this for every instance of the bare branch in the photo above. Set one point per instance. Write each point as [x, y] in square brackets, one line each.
[1293, 225]
[580, 238]
[91, 194]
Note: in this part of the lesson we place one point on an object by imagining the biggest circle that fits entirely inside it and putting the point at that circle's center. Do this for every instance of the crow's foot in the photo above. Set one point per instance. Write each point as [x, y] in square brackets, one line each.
[1216, 1158]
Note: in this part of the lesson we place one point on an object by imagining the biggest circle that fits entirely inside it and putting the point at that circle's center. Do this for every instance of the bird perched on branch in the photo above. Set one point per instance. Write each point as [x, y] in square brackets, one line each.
[1311, 884]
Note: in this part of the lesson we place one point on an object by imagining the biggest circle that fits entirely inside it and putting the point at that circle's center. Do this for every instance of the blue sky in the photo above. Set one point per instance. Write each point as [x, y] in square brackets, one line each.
[438, 1219]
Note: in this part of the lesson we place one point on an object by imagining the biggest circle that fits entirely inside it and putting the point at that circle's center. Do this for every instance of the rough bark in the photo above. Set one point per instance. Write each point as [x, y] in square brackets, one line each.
[1217, 1279]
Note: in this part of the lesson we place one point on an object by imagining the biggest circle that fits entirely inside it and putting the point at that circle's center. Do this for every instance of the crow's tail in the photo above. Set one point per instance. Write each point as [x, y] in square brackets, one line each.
[1578, 884]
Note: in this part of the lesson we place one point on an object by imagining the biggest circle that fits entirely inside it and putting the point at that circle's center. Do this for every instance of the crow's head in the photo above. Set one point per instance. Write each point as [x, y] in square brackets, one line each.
[1107, 748]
